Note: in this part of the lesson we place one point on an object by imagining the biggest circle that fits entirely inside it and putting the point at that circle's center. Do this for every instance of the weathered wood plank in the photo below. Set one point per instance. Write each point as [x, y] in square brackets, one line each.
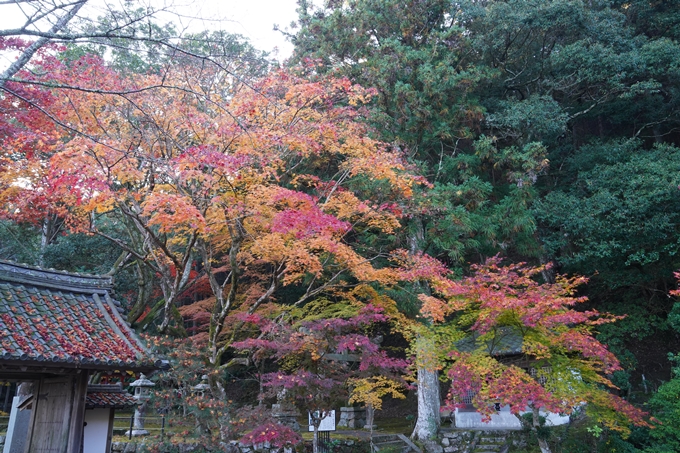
[52, 406]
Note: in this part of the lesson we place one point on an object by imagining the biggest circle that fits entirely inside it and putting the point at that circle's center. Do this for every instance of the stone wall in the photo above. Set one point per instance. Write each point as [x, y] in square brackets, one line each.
[465, 441]
[352, 417]
[455, 441]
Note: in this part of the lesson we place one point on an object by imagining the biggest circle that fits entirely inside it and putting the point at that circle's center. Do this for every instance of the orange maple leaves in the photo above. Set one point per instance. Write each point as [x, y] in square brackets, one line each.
[257, 180]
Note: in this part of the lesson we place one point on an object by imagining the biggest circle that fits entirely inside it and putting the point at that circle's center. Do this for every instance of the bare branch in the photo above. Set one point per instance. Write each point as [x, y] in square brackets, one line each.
[27, 54]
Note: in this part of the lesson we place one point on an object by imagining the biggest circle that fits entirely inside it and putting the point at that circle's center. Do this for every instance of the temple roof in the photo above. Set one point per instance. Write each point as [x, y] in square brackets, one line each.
[504, 342]
[58, 319]
[108, 396]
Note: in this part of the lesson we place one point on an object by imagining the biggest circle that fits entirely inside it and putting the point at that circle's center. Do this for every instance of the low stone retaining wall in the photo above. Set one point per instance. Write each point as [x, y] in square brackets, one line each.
[465, 441]
[456, 441]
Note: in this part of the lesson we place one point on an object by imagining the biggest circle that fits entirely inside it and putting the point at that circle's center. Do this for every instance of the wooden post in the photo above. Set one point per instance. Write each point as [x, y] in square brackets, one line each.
[77, 427]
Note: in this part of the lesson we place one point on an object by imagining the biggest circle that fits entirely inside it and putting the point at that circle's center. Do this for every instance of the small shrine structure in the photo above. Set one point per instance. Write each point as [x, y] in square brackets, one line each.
[56, 329]
[100, 405]
[507, 347]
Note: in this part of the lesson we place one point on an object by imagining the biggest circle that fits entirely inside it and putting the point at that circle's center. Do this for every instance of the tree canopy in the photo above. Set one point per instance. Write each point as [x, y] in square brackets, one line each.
[406, 149]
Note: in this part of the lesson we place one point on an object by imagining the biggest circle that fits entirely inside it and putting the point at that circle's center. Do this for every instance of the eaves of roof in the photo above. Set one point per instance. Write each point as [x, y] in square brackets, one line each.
[54, 319]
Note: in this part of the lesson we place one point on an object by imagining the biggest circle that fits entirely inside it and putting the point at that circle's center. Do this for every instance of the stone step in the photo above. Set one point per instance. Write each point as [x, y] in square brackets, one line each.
[392, 446]
[384, 438]
[397, 443]
[490, 443]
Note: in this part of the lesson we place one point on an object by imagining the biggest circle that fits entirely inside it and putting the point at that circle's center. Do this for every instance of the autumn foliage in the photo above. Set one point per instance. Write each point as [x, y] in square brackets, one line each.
[265, 196]
[560, 366]
[322, 362]
[262, 186]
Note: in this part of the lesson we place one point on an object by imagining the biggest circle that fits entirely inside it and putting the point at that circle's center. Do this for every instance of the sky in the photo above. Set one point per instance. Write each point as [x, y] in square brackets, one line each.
[253, 19]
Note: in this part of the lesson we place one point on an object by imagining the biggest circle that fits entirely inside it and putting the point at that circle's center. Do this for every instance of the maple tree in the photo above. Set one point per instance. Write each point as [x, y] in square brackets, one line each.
[194, 410]
[560, 366]
[252, 188]
[319, 359]
[129, 31]
[29, 139]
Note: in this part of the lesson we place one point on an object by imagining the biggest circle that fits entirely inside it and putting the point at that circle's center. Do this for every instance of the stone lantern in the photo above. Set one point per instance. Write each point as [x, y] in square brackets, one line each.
[142, 394]
[200, 389]
[284, 412]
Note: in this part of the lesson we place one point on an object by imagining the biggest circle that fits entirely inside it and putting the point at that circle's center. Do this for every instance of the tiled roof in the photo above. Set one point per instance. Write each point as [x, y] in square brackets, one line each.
[62, 319]
[504, 343]
[111, 396]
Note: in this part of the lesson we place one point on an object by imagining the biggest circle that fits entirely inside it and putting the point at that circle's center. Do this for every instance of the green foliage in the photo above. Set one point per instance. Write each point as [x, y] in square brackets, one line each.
[131, 38]
[665, 406]
[622, 208]
[323, 308]
[413, 53]
[20, 243]
[549, 132]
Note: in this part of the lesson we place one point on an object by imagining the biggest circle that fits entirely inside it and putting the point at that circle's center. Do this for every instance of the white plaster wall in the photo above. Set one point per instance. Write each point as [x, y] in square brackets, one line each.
[552, 419]
[96, 430]
[503, 420]
[17, 430]
[500, 420]
[327, 423]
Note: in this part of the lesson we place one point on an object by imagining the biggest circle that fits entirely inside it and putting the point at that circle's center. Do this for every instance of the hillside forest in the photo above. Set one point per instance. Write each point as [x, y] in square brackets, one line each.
[418, 176]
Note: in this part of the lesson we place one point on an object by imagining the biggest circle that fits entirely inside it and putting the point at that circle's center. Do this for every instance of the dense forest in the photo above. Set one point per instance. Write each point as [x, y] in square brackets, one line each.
[403, 151]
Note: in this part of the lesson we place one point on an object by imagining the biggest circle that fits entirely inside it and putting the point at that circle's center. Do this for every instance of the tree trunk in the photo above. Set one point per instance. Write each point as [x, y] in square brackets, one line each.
[536, 423]
[315, 439]
[145, 280]
[48, 233]
[370, 416]
[429, 419]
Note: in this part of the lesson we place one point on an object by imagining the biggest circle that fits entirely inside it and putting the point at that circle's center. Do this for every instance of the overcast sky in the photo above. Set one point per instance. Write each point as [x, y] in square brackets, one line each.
[253, 19]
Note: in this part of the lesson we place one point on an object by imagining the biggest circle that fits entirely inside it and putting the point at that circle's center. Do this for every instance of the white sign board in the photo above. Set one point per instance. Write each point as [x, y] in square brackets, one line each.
[327, 423]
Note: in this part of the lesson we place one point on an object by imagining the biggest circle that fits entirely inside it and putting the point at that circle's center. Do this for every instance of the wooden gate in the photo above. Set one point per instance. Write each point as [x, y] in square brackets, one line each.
[52, 409]
[57, 418]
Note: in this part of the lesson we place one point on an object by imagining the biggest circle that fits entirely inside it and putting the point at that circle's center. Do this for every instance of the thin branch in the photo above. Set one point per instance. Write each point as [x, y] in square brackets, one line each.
[27, 54]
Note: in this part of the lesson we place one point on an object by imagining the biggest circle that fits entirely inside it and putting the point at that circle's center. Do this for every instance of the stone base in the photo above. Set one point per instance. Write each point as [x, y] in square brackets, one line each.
[137, 432]
[286, 416]
[352, 417]
[288, 420]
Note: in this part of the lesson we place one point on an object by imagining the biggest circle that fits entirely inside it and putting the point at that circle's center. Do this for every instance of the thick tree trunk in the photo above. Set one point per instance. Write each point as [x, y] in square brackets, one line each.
[429, 419]
[427, 424]
[145, 280]
[48, 233]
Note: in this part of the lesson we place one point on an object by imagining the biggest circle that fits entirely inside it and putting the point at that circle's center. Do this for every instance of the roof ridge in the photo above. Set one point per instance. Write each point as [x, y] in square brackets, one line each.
[52, 278]
[109, 388]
